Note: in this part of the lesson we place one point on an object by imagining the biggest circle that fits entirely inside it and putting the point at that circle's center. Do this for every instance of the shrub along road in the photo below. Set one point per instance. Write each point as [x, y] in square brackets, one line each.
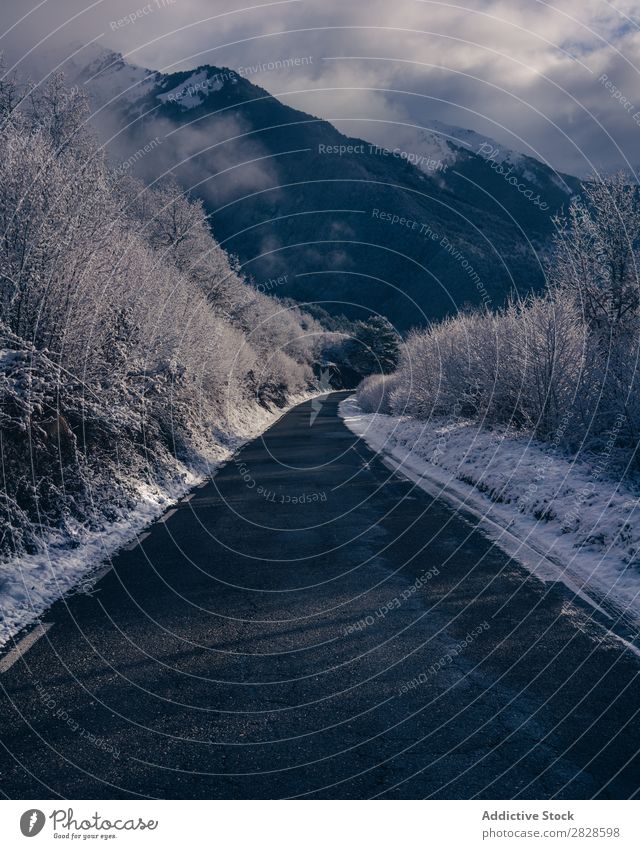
[311, 624]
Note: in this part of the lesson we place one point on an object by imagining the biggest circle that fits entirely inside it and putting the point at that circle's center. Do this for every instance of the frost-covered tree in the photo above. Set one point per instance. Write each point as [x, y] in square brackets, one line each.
[375, 346]
[129, 341]
[563, 365]
[596, 251]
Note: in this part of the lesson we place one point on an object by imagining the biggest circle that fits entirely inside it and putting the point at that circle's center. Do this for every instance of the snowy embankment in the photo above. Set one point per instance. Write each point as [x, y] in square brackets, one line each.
[557, 516]
[30, 583]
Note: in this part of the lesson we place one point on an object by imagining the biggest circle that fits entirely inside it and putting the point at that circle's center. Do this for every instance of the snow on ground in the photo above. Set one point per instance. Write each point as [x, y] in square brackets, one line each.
[31, 583]
[560, 517]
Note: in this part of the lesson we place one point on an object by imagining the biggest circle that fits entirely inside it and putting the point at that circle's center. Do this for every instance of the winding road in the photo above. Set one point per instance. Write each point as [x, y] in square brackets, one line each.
[311, 624]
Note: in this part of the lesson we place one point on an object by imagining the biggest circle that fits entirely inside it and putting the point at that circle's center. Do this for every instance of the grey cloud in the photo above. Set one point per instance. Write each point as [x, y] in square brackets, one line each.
[524, 73]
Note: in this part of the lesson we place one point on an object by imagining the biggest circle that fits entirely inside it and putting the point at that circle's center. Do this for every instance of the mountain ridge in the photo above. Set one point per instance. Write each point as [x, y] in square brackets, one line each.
[351, 224]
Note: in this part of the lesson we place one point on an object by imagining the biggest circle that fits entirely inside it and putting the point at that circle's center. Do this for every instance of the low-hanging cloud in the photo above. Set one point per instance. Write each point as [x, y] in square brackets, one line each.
[529, 74]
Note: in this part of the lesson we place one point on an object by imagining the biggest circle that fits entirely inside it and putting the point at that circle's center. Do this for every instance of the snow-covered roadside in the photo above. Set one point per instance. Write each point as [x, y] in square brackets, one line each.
[558, 516]
[31, 583]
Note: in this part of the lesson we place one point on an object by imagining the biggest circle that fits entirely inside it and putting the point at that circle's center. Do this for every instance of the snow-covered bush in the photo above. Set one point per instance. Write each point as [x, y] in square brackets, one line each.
[374, 393]
[129, 341]
[562, 365]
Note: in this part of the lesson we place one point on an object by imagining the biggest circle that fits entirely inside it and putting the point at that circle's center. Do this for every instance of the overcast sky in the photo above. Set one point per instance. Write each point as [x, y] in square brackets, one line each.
[526, 72]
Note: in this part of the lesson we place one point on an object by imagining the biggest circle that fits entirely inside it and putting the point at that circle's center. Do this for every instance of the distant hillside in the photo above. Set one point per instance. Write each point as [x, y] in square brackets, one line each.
[329, 218]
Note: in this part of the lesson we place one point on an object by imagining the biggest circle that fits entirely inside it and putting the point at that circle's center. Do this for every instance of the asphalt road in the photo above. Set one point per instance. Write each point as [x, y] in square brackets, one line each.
[311, 625]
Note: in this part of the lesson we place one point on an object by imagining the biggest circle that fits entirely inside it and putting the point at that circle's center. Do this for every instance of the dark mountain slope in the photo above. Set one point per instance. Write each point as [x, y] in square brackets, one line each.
[345, 222]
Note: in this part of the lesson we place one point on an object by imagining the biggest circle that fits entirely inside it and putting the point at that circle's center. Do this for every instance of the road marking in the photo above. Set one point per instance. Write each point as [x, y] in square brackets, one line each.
[24, 645]
[628, 644]
[135, 543]
[93, 579]
[168, 514]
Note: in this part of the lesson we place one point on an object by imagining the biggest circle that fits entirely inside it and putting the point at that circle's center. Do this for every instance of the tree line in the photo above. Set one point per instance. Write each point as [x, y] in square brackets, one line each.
[131, 345]
[562, 365]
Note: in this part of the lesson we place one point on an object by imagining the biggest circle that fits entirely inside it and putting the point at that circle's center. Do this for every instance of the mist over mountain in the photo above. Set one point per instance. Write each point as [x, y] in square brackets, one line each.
[416, 232]
[319, 416]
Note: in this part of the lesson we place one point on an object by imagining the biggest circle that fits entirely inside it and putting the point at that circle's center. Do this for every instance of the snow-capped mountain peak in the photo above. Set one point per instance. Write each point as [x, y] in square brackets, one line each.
[107, 75]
